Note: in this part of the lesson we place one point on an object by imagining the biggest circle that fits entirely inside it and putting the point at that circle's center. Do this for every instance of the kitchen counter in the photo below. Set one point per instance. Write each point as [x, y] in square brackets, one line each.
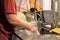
[26, 36]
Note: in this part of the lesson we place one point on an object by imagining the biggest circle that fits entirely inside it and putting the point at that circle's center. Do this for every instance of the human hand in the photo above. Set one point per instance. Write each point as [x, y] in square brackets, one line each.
[32, 28]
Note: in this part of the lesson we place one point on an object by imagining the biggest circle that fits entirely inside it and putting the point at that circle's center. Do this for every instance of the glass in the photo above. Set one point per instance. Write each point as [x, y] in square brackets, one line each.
[33, 33]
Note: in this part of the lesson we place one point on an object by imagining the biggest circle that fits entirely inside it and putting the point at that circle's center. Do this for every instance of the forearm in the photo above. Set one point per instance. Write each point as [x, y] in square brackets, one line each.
[20, 23]
[16, 21]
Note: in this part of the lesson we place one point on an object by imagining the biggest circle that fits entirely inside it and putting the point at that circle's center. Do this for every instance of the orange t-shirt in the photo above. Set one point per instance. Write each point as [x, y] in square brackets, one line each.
[33, 5]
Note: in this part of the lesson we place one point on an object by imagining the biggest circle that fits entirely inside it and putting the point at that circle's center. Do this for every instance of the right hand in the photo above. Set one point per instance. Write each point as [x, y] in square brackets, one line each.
[32, 28]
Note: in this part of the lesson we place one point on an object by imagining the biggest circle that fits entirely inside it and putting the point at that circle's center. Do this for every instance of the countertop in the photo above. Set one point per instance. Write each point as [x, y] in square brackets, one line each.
[26, 36]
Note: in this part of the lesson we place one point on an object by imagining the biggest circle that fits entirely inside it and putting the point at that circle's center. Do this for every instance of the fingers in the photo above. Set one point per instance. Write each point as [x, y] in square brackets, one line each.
[34, 29]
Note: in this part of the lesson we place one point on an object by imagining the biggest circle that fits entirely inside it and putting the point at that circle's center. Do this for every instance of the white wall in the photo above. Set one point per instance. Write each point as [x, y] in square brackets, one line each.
[46, 4]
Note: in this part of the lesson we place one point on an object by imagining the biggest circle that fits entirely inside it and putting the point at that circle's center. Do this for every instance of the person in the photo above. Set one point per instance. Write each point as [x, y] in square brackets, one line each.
[23, 5]
[9, 20]
[26, 5]
[34, 4]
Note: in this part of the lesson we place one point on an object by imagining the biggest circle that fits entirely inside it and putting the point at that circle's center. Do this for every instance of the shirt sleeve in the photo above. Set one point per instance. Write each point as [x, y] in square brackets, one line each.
[10, 6]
